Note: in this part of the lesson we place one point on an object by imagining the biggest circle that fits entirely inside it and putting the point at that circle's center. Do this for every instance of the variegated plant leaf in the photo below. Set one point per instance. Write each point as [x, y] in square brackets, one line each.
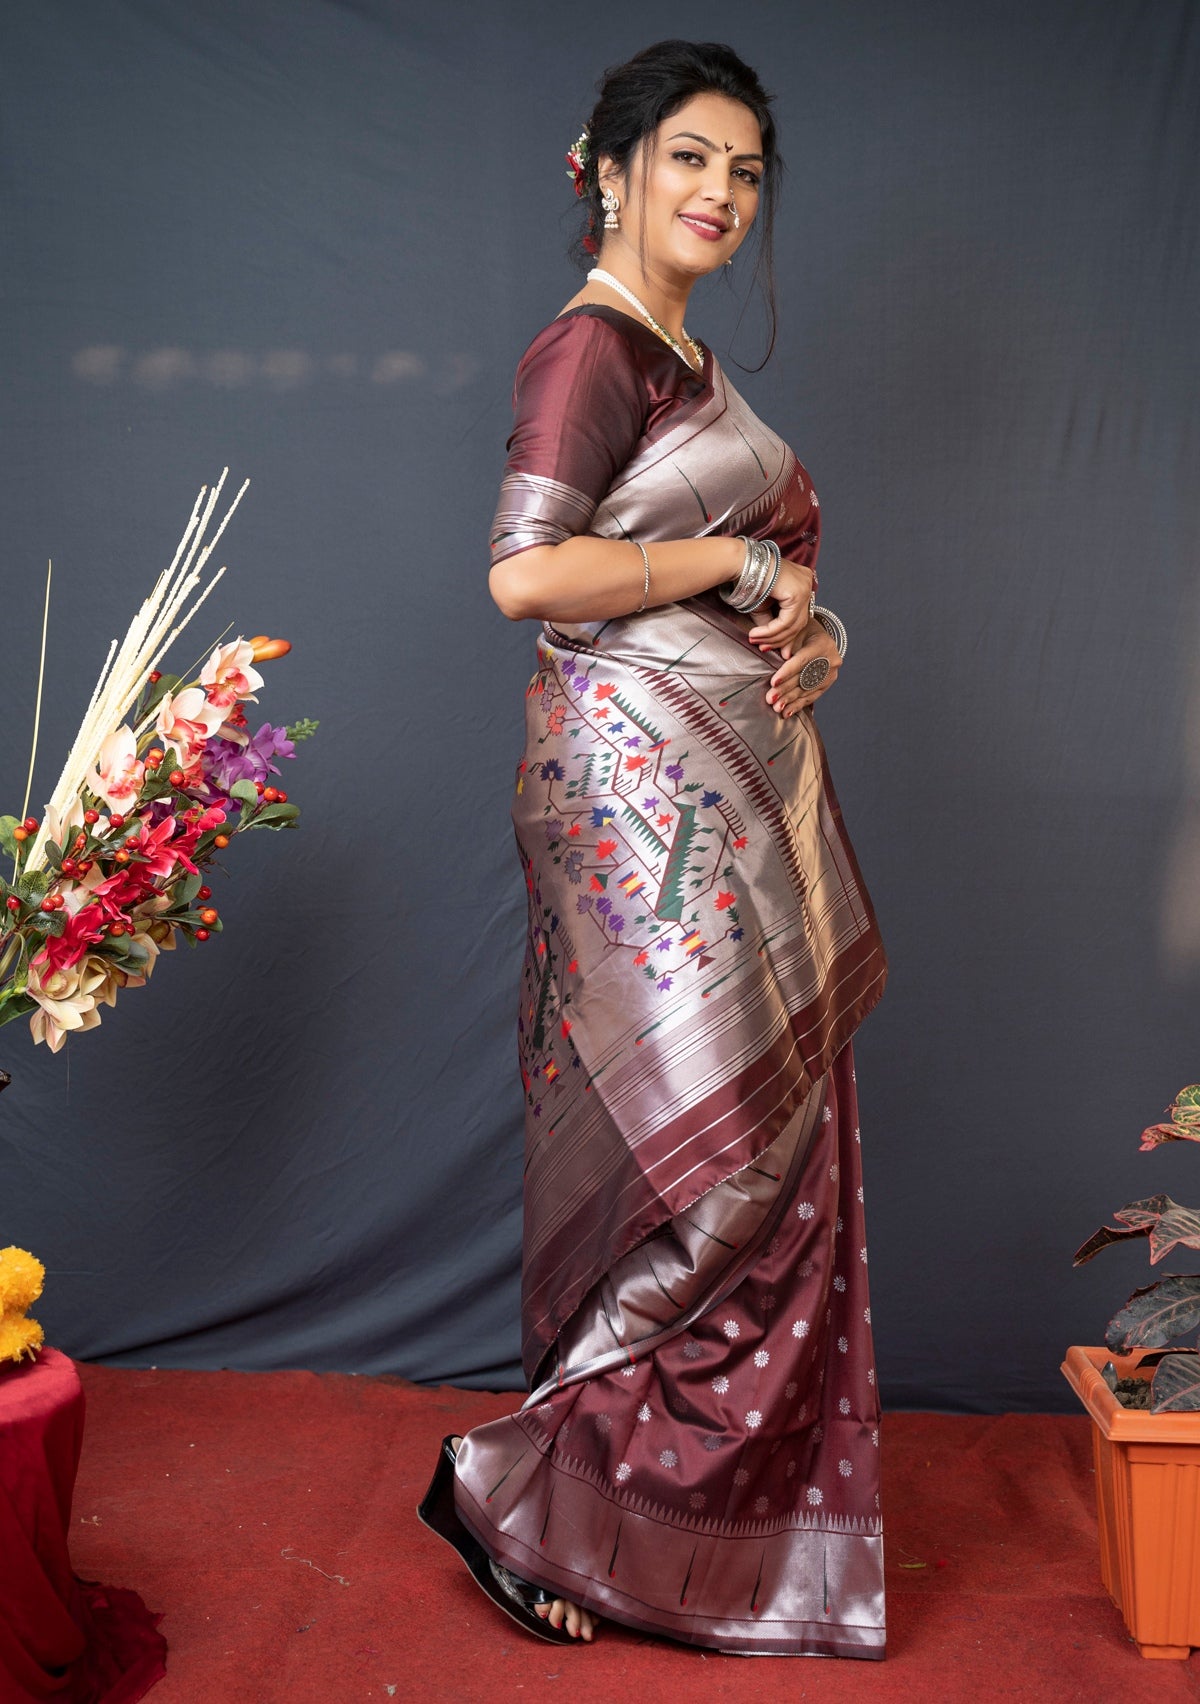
[1184, 1114]
[1143, 1214]
[1176, 1385]
[1156, 1314]
[1103, 1238]
[1177, 1227]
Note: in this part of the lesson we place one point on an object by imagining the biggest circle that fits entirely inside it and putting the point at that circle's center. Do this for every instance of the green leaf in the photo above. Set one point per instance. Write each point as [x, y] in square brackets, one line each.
[11, 846]
[15, 1005]
[48, 922]
[34, 884]
[186, 889]
[275, 816]
[304, 729]
[246, 791]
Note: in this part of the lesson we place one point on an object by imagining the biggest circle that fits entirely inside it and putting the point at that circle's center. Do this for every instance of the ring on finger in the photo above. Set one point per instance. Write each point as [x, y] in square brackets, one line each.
[813, 673]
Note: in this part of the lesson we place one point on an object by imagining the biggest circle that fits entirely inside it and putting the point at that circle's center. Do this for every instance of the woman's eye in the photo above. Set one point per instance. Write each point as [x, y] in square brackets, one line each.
[751, 178]
[687, 154]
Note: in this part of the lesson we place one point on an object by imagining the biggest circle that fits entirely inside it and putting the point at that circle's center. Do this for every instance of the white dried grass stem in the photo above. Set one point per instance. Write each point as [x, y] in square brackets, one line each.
[154, 628]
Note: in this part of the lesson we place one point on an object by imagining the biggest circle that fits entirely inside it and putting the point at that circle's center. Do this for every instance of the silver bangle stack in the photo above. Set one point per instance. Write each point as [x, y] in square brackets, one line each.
[832, 625]
[760, 570]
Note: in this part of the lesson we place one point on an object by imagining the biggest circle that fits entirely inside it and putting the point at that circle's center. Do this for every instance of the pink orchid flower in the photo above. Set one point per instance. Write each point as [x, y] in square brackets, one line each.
[185, 720]
[117, 777]
[229, 677]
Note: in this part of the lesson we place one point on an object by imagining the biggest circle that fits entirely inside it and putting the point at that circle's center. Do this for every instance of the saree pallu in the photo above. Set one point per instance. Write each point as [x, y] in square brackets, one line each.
[698, 1455]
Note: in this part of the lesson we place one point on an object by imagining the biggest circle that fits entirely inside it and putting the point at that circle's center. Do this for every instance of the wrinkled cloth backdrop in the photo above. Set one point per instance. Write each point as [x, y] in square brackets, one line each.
[311, 240]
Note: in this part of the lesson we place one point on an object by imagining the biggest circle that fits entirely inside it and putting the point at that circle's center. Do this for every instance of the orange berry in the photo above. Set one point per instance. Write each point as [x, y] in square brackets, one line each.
[208, 915]
[20, 834]
[221, 840]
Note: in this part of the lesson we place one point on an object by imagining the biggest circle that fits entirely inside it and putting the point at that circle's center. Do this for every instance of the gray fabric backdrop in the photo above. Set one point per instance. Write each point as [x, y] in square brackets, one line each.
[311, 240]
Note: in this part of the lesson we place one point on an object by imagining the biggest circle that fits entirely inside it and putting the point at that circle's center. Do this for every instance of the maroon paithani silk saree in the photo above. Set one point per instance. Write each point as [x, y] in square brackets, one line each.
[699, 1452]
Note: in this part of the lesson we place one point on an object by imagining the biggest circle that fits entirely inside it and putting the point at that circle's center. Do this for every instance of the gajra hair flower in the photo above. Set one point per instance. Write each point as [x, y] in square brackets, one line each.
[577, 159]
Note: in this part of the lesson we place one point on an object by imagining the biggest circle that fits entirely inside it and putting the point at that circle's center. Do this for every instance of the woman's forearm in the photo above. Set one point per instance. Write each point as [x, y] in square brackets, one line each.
[592, 579]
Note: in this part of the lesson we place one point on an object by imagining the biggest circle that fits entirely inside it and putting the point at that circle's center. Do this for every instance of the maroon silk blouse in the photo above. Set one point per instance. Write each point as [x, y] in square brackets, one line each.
[594, 392]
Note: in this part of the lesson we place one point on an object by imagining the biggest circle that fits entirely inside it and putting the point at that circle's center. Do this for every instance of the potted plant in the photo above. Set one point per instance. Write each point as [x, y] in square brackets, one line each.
[1143, 1394]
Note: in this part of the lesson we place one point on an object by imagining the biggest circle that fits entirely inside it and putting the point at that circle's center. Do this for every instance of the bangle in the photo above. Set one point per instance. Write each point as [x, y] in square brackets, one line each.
[646, 587]
[833, 626]
[760, 570]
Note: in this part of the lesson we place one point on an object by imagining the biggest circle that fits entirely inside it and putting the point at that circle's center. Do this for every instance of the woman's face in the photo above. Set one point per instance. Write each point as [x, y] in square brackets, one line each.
[708, 160]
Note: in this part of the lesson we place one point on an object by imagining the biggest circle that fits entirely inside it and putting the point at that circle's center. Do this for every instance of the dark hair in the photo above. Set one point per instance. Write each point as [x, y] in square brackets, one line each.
[634, 100]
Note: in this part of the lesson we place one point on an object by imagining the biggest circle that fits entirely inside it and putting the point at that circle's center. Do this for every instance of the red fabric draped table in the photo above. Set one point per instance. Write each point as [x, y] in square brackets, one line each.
[61, 1638]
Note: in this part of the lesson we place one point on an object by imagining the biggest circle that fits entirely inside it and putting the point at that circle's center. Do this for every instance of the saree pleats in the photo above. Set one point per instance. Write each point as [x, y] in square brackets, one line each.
[714, 1476]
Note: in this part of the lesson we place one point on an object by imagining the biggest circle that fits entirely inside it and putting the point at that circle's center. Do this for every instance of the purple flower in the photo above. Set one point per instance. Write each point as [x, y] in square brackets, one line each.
[616, 922]
[664, 982]
[604, 905]
[675, 771]
[574, 864]
[635, 741]
[583, 903]
[650, 804]
[736, 934]
[580, 683]
[225, 761]
[663, 946]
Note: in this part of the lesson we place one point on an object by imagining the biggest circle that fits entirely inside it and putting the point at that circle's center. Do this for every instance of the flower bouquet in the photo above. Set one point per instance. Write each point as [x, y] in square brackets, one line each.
[163, 774]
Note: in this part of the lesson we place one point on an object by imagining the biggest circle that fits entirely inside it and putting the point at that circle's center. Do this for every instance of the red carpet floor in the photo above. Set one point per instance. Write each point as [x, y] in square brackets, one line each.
[270, 1517]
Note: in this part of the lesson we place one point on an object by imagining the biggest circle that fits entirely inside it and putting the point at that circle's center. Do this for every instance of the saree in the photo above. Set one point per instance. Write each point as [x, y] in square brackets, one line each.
[698, 1453]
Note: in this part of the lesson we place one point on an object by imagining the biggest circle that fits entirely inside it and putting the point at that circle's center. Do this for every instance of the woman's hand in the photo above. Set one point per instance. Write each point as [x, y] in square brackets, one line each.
[784, 695]
[793, 593]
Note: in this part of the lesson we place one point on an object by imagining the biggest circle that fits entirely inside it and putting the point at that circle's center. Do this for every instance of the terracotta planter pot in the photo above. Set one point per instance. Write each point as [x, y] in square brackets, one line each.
[1148, 1503]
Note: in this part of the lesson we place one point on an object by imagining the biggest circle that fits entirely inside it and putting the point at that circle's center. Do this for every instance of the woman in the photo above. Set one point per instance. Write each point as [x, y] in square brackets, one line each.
[698, 1455]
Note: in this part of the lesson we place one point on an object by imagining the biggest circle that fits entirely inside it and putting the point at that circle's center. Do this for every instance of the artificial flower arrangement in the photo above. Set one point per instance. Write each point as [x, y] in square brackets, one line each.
[163, 774]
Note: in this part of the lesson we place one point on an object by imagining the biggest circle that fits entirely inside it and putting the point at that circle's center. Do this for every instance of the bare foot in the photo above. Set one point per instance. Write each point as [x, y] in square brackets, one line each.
[580, 1624]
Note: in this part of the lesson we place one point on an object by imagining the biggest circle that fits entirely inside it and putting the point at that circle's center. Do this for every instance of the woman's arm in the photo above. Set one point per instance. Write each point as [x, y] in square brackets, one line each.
[593, 579]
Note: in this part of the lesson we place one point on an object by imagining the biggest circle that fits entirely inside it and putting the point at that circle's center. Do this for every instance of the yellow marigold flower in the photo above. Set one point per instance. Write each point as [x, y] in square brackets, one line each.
[19, 1336]
[21, 1277]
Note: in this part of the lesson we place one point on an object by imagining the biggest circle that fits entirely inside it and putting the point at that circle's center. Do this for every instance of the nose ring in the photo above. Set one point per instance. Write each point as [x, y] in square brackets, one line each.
[737, 223]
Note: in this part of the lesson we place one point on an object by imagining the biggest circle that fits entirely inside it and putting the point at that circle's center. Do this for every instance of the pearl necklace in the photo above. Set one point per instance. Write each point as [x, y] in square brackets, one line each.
[603, 277]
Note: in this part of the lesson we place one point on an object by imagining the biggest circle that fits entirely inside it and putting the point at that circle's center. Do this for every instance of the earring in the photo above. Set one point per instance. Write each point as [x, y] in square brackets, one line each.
[610, 204]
